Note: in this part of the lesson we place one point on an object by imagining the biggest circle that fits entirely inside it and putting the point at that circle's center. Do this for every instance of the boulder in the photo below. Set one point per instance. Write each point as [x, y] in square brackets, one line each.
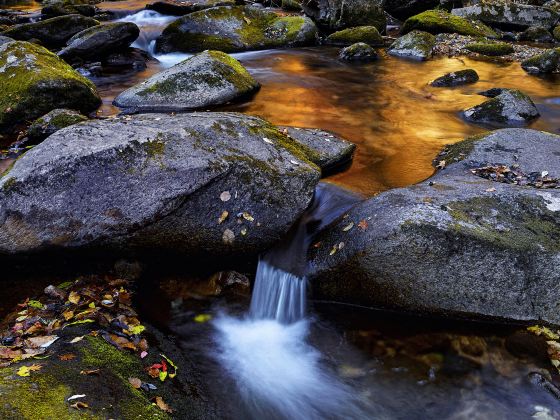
[334, 15]
[366, 34]
[546, 62]
[101, 40]
[456, 244]
[417, 45]
[181, 8]
[197, 185]
[358, 52]
[238, 28]
[439, 21]
[207, 79]
[52, 32]
[35, 81]
[53, 121]
[456, 78]
[5, 40]
[403, 9]
[506, 107]
[509, 16]
[55, 8]
[491, 49]
[329, 152]
[536, 34]
[291, 5]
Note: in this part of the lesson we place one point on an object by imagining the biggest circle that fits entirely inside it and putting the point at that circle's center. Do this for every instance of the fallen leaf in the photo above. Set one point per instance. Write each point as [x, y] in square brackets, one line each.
[67, 315]
[363, 224]
[223, 217]
[162, 405]
[544, 331]
[143, 354]
[490, 189]
[74, 297]
[202, 318]
[7, 353]
[42, 341]
[247, 217]
[173, 372]
[162, 375]
[137, 329]
[67, 356]
[441, 164]
[35, 304]
[79, 405]
[225, 196]
[26, 370]
[75, 397]
[228, 237]
[76, 339]
[348, 227]
[82, 321]
[90, 372]
[135, 382]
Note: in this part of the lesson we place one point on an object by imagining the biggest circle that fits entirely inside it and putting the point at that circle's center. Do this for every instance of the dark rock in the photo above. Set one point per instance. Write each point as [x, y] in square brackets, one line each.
[237, 28]
[403, 9]
[157, 183]
[55, 8]
[466, 246]
[509, 16]
[131, 57]
[35, 81]
[181, 8]
[366, 34]
[547, 62]
[358, 52]
[524, 344]
[456, 78]
[330, 152]
[417, 45]
[52, 32]
[334, 15]
[556, 33]
[101, 40]
[509, 107]
[55, 120]
[207, 79]
[536, 34]
[440, 21]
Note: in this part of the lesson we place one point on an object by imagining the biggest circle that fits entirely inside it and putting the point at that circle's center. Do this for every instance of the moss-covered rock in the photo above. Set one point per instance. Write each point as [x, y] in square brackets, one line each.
[506, 107]
[456, 78]
[491, 49]
[403, 9]
[556, 33]
[334, 15]
[536, 34]
[52, 32]
[509, 15]
[53, 121]
[366, 34]
[547, 62]
[35, 81]
[417, 45]
[181, 8]
[237, 28]
[100, 40]
[439, 21]
[207, 79]
[53, 8]
[358, 52]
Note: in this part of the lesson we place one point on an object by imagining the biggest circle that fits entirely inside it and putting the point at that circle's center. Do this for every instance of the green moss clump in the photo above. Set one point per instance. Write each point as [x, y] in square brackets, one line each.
[366, 34]
[492, 49]
[439, 21]
[9, 183]
[556, 33]
[459, 151]
[546, 62]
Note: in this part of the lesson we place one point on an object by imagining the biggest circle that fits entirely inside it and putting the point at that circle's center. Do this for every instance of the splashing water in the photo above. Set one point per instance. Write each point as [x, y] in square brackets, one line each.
[280, 375]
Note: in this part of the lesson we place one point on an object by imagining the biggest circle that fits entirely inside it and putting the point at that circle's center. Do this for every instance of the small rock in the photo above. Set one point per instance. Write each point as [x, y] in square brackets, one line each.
[417, 45]
[457, 78]
[358, 52]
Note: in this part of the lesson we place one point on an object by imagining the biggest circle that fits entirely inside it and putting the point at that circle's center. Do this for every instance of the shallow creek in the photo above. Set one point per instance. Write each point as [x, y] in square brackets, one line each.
[396, 366]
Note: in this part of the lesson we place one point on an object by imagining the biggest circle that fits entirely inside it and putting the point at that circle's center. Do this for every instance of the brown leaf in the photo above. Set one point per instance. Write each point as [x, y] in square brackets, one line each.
[135, 382]
[79, 405]
[41, 341]
[363, 224]
[7, 353]
[90, 372]
[153, 372]
[67, 356]
[74, 298]
[68, 315]
[162, 405]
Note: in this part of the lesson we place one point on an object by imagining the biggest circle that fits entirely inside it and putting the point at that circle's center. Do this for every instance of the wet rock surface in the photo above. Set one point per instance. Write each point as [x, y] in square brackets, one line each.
[358, 52]
[334, 15]
[456, 243]
[207, 79]
[456, 78]
[510, 15]
[201, 184]
[53, 121]
[416, 45]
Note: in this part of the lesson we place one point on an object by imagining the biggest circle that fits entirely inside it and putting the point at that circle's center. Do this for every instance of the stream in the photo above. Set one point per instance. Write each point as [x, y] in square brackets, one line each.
[280, 357]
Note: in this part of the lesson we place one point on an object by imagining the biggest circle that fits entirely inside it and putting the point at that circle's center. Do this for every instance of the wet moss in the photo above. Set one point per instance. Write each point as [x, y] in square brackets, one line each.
[439, 21]
[491, 49]
[9, 183]
[366, 34]
[458, 151]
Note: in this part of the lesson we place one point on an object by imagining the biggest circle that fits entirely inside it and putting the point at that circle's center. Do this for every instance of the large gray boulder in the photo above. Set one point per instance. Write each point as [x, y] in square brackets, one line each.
[458, 243]
[334, 15]
[238, 28]
[201, 184]
[508, 15]
[52, 32]
[101, 40]
[506, 107]
[206, 79]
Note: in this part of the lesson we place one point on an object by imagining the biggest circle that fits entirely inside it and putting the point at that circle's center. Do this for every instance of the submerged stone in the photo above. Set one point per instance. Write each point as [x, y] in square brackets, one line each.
[157, 183]
[34, 81]
[507, 107]
[237, 28]
[207, 79]
[334, 15]
[52, 32]
[455, 244]
[358, 52]
[366, 34]
[440, 21]
[456, 78]
[417, 45]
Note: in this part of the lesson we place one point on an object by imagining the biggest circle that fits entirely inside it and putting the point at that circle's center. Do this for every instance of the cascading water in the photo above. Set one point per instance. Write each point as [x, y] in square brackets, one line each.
[280, 375]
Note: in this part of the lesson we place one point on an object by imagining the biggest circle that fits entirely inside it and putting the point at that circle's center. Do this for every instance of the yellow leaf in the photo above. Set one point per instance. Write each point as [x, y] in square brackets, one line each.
[546, 332]
[91, 305]
[223, 217]
[162, 376]
[348, 227]
[202, 318]
[74, 298]
[247, 216]
[137, 329]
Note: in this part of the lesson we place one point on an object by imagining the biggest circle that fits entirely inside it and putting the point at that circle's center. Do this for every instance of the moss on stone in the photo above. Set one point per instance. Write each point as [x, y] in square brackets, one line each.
[492, 49]
[439, 21]
[9, 183]
[546, 62]
[366, 34]
[556, 33]
[458, 151]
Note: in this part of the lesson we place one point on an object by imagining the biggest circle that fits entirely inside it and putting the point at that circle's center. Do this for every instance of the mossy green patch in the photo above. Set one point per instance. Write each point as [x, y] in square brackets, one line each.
[440, 21]
[492, 49]
[458, 151]
[366, 34]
